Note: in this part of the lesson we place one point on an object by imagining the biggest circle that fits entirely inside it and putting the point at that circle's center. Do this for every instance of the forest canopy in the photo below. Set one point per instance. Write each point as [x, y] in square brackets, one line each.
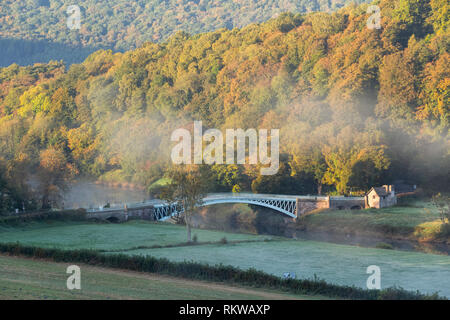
[36, 30]
[356, 107]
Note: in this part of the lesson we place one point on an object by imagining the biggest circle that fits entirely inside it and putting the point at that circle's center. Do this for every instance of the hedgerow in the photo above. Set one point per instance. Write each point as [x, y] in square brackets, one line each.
[65, 215]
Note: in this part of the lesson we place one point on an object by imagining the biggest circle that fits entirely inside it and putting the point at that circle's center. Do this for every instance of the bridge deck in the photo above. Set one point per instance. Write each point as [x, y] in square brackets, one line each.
[283, 203]
[210, 197]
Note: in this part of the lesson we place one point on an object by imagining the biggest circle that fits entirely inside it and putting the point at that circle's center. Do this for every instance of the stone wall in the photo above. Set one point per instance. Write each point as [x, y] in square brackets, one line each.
[346, 203]
[122, 215]
[305, 206]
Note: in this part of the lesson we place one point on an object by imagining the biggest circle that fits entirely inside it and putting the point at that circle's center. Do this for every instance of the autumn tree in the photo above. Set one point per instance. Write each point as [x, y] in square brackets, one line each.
[54, 175]
[228, 177]
[397, 95]
[311, 161]
[187, 188]
[14, 190]
[412, 15]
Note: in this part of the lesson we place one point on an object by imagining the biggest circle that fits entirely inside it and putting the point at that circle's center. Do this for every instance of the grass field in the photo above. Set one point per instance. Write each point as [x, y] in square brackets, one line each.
[78, 235]
[22, 278]
[340, 264]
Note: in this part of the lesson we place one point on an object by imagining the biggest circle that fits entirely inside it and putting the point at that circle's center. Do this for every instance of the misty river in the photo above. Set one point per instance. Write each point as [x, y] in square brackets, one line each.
[87, 194]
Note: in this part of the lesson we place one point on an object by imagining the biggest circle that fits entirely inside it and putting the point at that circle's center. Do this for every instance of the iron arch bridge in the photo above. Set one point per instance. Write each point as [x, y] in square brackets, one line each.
[286, 206]
[292, 206]
[281, 203]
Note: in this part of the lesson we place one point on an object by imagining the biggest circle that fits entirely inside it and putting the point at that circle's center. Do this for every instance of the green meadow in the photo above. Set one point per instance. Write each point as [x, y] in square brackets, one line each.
[81, 235]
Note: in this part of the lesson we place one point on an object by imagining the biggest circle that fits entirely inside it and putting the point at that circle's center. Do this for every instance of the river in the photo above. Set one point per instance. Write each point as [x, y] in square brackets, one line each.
[87, 194]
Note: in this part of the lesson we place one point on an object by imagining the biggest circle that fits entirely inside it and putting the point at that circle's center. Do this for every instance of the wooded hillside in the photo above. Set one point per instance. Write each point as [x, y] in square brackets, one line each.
[355, 107]
[36, 30]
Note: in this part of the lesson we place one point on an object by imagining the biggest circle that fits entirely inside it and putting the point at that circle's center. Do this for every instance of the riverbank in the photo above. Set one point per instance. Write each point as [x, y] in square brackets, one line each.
[415, 226]
[416, 223]
[366, 241]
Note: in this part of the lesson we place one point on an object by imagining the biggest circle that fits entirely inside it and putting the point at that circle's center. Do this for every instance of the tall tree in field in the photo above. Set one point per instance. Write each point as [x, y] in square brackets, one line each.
[187, 188]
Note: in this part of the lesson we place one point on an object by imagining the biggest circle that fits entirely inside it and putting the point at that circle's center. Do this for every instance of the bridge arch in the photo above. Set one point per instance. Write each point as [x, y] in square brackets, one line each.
[288, 207]
[113, 219]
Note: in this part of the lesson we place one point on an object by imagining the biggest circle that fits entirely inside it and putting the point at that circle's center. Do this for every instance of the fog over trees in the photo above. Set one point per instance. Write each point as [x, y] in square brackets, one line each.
[355, 107]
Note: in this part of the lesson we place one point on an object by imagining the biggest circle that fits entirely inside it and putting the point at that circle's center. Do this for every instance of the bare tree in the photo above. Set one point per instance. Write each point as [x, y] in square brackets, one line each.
[187, 188]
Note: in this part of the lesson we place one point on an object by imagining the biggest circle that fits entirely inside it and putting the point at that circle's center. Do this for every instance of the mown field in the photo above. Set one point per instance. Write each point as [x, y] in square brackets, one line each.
[22, 278]
[339, 264]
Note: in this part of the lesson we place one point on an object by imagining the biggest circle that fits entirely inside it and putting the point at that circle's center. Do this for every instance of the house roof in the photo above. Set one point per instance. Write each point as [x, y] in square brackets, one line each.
[380, 191]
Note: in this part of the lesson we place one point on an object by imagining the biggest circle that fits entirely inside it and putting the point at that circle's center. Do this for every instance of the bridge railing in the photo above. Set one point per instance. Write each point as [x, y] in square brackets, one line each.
[342, 198]
[263, 196]
[121, 206]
